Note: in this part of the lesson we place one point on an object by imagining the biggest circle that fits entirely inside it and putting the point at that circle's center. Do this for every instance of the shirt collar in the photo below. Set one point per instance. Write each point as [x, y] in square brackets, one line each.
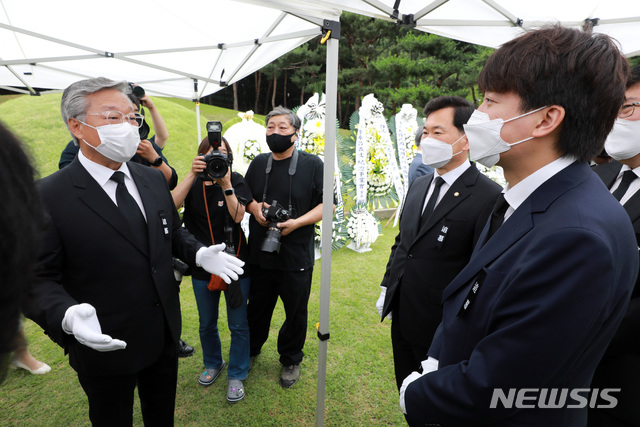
[625, 168]
[451, 176]
[519, 193]
[100, 173]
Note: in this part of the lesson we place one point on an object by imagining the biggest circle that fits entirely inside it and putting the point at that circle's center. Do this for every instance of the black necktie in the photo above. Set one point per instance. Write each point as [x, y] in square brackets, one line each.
[130, 209]
[627, 178]
[431, 204]
[497, 216]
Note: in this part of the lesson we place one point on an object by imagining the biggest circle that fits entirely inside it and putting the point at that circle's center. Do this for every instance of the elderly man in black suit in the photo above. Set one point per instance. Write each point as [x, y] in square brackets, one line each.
[620, 365]
[442, 218]
[105, 266]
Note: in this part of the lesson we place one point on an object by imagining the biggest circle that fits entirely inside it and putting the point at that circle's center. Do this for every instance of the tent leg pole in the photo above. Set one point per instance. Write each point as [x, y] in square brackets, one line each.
[327, 219]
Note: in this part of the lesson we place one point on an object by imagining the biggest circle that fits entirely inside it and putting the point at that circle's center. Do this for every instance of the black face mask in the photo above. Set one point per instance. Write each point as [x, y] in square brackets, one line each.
[279, 143]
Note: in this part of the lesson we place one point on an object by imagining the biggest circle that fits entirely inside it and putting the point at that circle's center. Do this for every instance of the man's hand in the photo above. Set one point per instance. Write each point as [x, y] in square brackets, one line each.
[220, 263]
[380, 302]
[411, 378]
[428, 365]
[146, 151]
[81, 321]
[255, 209]
[288, 226]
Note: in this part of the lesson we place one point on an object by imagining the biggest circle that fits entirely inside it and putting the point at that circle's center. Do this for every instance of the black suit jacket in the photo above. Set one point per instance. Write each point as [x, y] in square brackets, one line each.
[620, 365]
[424, 260]
[89, 255]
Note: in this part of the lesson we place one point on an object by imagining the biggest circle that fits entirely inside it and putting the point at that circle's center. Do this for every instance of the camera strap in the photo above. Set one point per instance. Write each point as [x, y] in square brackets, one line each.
[292, 171]
[206, 207]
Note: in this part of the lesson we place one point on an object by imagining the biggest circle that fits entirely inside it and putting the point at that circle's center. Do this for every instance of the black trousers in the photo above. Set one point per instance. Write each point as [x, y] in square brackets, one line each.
[293, 288]
[406, 356]
[111, 398]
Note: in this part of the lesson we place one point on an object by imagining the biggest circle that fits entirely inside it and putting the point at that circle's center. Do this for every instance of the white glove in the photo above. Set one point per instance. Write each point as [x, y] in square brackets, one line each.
[411, 378]
[220, 263]
[380, 302]
[81, 321]
[428, 366]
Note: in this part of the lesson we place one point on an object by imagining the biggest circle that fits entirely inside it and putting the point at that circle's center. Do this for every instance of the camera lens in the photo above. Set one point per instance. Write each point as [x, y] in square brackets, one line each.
[138, 92]
[217, 167]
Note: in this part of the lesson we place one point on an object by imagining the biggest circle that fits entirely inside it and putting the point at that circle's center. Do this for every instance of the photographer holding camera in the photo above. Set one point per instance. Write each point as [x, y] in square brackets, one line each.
[287, 190]
[214, 198]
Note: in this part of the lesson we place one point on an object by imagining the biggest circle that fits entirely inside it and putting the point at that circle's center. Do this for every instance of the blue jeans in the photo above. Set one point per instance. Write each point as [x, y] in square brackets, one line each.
[208, 302]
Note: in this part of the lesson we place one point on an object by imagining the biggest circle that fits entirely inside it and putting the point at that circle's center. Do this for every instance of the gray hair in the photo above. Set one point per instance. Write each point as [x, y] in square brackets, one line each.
[282, 111]
[74, 99]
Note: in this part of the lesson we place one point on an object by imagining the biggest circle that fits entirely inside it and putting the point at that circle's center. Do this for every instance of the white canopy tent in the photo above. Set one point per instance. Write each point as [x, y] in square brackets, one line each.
[184, 50]
[489, 22]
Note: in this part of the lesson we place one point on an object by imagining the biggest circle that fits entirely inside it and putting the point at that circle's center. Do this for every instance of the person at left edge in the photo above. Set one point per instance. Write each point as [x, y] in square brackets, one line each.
[104, 287]
[431, 248]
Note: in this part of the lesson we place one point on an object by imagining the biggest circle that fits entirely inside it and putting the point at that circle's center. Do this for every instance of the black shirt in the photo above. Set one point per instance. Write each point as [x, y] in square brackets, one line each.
[296, 249]
[195, 216]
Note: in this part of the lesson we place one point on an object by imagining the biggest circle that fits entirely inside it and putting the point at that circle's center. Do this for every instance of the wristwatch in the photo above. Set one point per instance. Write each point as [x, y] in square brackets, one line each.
[157, 162]
[229, 192]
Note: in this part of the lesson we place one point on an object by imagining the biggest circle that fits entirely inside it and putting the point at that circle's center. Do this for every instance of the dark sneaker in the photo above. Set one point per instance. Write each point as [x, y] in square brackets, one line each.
[184, 349]
[210, 375]
[235, 391]
[289, 376]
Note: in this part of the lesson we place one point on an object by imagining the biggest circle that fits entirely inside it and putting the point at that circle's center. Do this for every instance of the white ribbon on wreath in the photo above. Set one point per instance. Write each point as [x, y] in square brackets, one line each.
[312, 134]
[372, 110]
[406, 124]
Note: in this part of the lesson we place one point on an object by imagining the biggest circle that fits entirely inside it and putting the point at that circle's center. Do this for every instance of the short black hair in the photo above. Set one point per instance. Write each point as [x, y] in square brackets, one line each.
[462, 109]
[634, 77]
[584, 73]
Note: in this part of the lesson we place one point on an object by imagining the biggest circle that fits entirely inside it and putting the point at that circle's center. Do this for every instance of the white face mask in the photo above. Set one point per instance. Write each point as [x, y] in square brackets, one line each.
[485, 142]
[623, 141]
[117, 142]
[437, 153]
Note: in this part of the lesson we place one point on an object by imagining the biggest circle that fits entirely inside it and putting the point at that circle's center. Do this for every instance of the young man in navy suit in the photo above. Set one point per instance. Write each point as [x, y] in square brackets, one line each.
[620, 365]
[526, 322]
[434, 242]
[104, 287]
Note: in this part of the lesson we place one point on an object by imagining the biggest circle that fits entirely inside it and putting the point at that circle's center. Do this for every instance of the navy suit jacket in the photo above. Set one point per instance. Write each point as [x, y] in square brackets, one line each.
[424, 260]
[89, 254]
[620, 366]
[555, 281]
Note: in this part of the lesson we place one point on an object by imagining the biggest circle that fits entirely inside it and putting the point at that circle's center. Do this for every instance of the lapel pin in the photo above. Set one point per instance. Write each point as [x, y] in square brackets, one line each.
[456, 194]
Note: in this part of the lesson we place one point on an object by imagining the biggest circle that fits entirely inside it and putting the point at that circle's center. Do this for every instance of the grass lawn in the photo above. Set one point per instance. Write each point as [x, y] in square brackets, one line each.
[360, 386]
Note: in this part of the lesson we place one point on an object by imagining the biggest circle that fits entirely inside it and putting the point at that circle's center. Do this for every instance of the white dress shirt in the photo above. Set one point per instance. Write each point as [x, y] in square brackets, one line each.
[633, 187]
[102, 175]
[449, 178]
[517, 194]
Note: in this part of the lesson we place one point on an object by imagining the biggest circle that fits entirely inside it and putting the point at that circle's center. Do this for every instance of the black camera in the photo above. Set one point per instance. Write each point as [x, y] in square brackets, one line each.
[217, 163]
[229, 246]
[274, 214]
[137, 91]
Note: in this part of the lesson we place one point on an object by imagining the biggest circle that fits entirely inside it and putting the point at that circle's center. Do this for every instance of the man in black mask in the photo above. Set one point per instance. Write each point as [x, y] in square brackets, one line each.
[287, 201]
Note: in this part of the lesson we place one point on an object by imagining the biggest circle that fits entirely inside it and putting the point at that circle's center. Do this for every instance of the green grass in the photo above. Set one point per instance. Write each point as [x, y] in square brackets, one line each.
[360, 388]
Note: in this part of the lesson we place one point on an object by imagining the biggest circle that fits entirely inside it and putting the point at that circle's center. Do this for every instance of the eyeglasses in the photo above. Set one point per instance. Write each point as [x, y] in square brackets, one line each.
[627, 110]
[118, 117]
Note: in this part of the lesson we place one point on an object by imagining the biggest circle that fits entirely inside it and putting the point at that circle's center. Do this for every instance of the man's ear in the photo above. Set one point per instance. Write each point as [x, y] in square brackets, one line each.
[76, 128]
[552, 118]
